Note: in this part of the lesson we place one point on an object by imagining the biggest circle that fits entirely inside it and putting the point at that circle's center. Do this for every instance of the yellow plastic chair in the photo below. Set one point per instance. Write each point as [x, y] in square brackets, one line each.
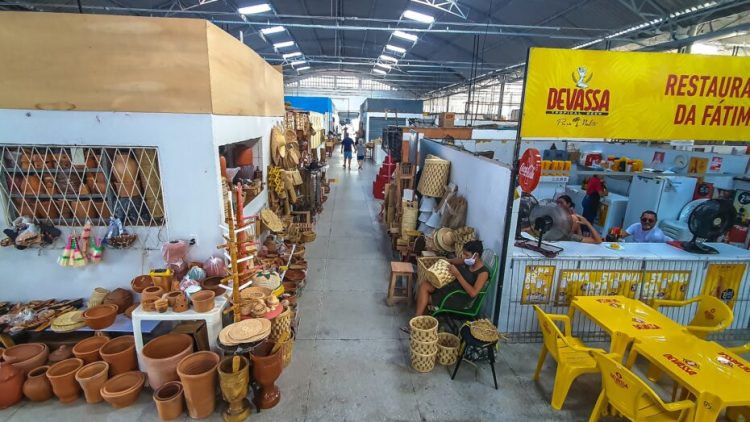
[712, 314]
[570, 353]
[632, 397]
[740, 350]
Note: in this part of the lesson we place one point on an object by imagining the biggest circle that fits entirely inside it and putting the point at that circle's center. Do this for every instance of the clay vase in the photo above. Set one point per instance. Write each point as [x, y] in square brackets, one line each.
[88, 349]
[11, 385]
[37, 386]
[267, 368]
[234, 379]
[123, 390]
[152, 292]
[27, 356]
[91, 378]
[119, 353]
[180, 303]
[197, 373]
[161, 356]
[60, 354]
[62, 376]
[169, 401]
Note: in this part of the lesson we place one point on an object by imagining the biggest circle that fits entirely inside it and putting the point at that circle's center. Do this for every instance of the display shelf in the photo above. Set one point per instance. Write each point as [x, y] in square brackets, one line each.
[56, 196]
[18, 170]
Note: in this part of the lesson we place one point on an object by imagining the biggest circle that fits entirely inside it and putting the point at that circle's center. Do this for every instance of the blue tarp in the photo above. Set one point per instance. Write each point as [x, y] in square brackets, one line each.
[316, 104]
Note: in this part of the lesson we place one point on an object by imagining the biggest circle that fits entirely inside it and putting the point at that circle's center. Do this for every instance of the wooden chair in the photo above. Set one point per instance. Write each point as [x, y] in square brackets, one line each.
[572, 356]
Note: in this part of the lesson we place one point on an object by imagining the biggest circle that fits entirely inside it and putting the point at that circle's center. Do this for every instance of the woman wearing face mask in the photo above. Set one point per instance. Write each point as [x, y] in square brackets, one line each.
[471, 276]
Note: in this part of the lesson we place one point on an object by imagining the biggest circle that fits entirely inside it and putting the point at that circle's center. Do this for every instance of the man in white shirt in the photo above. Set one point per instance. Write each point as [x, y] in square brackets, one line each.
[646, 231]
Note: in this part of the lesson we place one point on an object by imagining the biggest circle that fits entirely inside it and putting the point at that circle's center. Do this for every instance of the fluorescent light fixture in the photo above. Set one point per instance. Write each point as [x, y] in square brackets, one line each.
[395, 48]
[298, 62]
[290, 55]
[388, 58]
[303, 68]
[382, 72]
[384, 66]
[283, 44]
[405, 35]
[252, 10]
[272, 30]
[419, 17]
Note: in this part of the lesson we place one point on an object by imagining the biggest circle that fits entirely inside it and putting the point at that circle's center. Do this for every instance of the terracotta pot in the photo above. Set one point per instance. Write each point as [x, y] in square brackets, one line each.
[62, 376]
[169, 400]
[267, 368]
[120, 297]
[295, 276]
[212, 284]
[198, 375]
[37, 386]
[180, 303]
[172, 297]
[88, 349]
[149, 304]
[123, 390]
[119, 353]
[161, 356]
[141, 282]
[31, 185]
[162, 305]
[151, 291]
[27, 356]
[11, 385]
[203, 301]
[60, 354]
[91, 378]
[101, 316]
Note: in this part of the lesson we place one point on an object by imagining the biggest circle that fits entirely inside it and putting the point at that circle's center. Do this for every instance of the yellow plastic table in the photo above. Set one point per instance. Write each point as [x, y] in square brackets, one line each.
[715, 376]
[631, 317]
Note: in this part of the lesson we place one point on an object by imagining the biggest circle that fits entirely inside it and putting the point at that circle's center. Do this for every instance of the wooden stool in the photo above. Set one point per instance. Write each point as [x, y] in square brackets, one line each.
[400, 269]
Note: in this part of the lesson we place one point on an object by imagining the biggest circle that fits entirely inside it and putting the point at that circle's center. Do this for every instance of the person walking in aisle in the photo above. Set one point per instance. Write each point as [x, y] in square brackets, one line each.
[347, 147]
[360, 152]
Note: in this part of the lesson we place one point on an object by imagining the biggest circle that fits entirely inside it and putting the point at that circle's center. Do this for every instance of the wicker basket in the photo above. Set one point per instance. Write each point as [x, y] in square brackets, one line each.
[308, 237]
[281, 325]
[423, 263]
[438, 274]
[422, 363]
[122, 241]
[448, 345]
[287, 347]
[423, 328]
[409, 217]
[424, 347]
[435, 174]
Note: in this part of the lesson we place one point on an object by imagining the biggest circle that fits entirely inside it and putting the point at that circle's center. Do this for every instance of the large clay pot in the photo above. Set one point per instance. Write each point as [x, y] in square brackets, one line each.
[169, 401]
[91, 378]
[119, 353]
[234, 387]
[197, 373]
[60, 354]
[161, 356]
[88, 349]
[267, 368]
[27, 356]
[11, 385]
[123, 390]
[37, 386]
[62, 376]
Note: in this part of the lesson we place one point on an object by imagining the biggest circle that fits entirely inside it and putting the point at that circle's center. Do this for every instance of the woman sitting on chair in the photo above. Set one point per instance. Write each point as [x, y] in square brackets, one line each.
[471, 276]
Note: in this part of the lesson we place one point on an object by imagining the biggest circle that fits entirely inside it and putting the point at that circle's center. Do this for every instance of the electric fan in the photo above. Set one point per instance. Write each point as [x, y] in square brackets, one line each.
[708, 221]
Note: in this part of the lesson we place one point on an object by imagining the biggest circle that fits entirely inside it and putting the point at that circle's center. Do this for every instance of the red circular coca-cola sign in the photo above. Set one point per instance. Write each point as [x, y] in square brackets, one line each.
[529, 170]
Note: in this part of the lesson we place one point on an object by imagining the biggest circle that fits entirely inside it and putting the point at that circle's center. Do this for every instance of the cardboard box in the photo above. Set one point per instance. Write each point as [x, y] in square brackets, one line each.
[197, 330]
[446, 119]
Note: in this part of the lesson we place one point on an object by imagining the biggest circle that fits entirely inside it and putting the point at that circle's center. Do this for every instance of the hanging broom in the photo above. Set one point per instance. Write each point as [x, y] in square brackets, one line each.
[64, 259]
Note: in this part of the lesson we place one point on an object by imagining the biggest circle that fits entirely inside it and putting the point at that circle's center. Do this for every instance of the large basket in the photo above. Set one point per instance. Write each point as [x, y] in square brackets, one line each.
[423, 264]
[423, 328]
[422, 363]
[448, 345]
[281, 325]
[438, 274]
[424, 347]
[435, 174]
[287, 347]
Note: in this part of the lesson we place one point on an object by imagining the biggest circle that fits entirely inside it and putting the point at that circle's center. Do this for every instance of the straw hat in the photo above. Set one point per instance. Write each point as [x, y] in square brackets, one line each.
[268, 279]
[445, 239]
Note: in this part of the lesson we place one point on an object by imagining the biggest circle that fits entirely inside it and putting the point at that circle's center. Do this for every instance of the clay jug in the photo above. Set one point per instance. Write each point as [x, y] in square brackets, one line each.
[91, 378]
[37, 386]
[267, 368]
[11, 385]
[198, 376]
[62, 376]
[161, 356]
[169, 401]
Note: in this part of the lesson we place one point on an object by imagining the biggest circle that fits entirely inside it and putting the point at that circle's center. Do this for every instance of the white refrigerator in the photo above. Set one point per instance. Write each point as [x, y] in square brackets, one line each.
[666, 195]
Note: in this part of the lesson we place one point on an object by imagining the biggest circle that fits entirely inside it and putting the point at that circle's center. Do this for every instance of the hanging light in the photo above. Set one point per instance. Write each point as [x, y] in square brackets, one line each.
[302, 68]
[283, 44]
[384, 66]
[419, 17]
[298, 62]
[382, 72]
[405, 35]
[395, 48]
[252, 10]
[290, 55]
[272, 30]
[388, 58]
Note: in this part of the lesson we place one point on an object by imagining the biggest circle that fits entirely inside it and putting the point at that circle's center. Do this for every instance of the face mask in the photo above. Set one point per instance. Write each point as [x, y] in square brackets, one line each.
[470, 261]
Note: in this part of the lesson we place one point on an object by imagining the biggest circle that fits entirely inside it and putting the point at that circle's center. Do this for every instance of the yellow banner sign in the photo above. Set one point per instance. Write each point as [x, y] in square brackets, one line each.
[626, 95]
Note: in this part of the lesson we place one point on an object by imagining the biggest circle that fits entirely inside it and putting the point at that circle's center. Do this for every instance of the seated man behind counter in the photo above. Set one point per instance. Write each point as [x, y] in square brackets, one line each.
[646, 231]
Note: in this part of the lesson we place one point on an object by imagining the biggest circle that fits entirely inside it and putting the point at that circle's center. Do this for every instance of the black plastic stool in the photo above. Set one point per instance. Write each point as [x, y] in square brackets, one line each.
[475, 347]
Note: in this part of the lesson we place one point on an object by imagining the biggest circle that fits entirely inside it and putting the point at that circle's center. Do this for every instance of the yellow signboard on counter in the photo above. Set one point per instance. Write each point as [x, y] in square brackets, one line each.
[665, 285]
[631, 95]
[596, 283]
[723, 281]
[537, 284]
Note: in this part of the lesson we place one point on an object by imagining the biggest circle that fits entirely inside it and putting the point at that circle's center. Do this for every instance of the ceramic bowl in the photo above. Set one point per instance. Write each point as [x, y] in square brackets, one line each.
[100, 317]
[123, 390]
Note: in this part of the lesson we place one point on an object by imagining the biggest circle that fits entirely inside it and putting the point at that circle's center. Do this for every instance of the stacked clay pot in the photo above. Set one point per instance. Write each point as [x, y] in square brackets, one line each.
[37, 387]
[91, 378]
[119, 353]
[198, 376]
[169, 401]
[62, 376]
[27, 356]
[161, 356]
[123, 390]
[11, 385]
[88, 349]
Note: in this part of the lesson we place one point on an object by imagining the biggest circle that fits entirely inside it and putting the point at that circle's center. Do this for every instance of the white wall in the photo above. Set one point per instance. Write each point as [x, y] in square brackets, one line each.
[189, 164]
[484, 183]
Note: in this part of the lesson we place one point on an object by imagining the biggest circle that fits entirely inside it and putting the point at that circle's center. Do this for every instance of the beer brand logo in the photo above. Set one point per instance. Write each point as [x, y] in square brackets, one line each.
[581, 100]
[710, 314]
[728, 360]
[617, 379]
[686, 365]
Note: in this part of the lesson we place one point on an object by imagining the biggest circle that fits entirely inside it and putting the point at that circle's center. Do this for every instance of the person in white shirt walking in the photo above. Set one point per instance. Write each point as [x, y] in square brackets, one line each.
[646, 231]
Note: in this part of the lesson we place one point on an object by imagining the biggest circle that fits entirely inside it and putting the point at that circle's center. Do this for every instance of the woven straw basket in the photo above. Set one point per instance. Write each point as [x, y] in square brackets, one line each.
[423, 264]
[308, 236]
[287, 347]
[424, 347]
[448, 345]
[435, 176]
[422, 363]
[438, 274]
[423, 329]
[281, 325]
[409, 218]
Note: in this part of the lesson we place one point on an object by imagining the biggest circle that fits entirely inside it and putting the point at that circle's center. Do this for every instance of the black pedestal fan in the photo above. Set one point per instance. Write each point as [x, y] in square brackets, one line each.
[708, 221]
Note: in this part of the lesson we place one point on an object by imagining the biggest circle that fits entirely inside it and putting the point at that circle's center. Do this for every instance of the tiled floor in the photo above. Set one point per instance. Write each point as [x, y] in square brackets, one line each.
[351, 361]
